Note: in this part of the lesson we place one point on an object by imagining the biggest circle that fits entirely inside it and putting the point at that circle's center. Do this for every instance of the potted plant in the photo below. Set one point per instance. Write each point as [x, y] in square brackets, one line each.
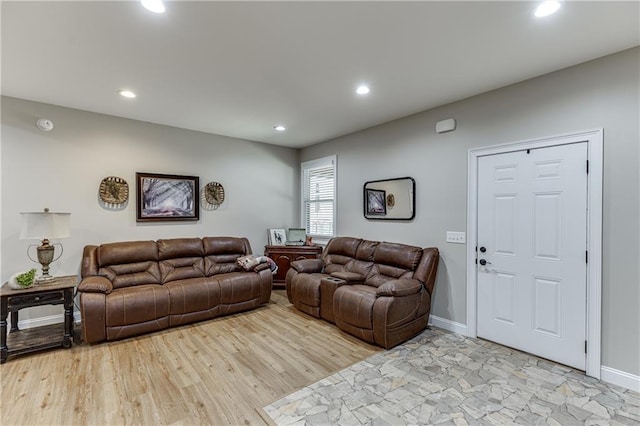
[21, 280]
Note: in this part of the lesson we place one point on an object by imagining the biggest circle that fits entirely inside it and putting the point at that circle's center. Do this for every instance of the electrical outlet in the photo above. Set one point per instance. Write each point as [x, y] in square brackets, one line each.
[456, 237]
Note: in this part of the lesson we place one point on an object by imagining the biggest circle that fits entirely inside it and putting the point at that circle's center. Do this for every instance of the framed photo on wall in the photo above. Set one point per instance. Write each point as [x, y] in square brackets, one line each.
[376, 202]
[167, 197]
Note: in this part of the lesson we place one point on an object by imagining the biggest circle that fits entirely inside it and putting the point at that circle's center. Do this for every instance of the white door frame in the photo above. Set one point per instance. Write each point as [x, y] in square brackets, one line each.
[594, 139]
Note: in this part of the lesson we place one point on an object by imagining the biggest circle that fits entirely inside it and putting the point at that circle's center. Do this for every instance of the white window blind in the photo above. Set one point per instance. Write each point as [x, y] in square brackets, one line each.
[319, 196]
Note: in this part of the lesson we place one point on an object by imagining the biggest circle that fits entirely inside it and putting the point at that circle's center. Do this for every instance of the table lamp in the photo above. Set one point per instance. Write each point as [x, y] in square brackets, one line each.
[42, 226]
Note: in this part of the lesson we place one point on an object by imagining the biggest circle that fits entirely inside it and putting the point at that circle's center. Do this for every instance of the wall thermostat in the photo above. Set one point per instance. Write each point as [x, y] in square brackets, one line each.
[444, 126]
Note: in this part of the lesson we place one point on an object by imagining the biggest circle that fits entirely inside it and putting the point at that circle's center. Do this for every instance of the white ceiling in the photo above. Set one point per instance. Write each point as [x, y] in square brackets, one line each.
[238, 68]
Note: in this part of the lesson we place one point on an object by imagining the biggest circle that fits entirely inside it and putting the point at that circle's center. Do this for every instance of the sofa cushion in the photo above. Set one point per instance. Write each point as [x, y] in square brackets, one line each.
[181, 268]
[239, 287]
[399, 255]
[136, 304]
[129, 263]
[393, 261]
[194, 294]
[365, 250]
[127, 252]
[226, 245]
[132, 274]
[380, 274]
[222, 254]
[339, 252]
[180, 247]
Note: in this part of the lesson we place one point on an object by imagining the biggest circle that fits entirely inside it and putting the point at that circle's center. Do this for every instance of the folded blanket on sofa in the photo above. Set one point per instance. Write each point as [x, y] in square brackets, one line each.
[248, 263]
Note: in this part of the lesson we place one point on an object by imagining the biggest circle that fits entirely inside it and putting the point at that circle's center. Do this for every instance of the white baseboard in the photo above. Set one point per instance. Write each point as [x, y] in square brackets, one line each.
[48, 320]
[620, 378]
[448, 325]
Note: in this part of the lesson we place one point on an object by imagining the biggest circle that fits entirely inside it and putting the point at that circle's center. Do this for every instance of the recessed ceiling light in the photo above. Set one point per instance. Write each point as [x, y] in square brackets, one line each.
[362, 90]
[279, 128]
[127, 93]
[155, 6]
[547, 8]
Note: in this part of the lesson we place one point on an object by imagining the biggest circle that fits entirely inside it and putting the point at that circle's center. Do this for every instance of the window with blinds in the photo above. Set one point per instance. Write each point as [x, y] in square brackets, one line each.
[319, 196]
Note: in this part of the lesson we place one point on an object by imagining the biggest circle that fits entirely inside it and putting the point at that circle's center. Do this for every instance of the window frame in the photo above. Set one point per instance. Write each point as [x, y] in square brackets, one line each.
[314, 164]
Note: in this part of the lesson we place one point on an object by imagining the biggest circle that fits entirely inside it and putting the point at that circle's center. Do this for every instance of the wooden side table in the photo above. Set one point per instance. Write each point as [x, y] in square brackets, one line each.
[284, 255]
[58, 291]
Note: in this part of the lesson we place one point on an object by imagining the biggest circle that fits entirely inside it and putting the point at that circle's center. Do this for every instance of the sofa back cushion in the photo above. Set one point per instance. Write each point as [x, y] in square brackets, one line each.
[363, 260]
[221, 254]
[339, 252]
[181, 258]
[129, 263]
[393, 261]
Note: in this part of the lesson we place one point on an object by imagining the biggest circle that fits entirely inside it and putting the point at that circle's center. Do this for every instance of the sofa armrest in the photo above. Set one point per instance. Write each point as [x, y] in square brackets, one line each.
[307, 265]
[95, 284]
[403, 287]
[350, 277]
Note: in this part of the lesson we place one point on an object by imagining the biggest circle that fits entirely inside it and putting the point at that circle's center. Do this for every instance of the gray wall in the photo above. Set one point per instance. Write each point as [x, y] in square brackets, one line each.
[602, 93]
[62, 169]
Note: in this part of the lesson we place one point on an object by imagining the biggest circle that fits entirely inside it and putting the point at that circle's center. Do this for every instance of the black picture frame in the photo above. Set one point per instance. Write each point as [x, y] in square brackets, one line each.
[400, 199]
[163, 197]
[376, 203]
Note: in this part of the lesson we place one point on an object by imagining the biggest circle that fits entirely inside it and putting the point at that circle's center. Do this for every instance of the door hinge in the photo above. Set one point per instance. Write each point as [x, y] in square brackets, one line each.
[585, 346]
[586, 256]
[587, 166]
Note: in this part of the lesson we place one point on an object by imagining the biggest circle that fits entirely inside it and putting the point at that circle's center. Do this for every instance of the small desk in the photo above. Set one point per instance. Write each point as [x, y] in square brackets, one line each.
[58, 291]
[284, 255]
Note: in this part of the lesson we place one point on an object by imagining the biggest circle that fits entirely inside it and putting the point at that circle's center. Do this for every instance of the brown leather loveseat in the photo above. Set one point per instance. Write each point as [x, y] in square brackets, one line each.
[135, 287]
[379, 292]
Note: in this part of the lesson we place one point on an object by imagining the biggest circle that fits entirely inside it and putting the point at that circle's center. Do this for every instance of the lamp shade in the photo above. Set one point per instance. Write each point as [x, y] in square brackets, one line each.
[41, 225]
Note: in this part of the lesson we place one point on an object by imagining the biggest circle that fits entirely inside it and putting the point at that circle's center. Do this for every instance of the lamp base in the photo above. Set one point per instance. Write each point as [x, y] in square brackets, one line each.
[44, 278]
[45, 257]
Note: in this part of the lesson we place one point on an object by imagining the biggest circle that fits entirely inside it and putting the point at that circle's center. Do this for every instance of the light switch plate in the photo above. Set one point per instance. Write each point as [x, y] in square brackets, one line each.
[456, 237]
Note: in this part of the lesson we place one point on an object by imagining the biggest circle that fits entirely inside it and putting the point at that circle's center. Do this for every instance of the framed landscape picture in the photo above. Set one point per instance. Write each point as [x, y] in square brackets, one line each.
[163, 197]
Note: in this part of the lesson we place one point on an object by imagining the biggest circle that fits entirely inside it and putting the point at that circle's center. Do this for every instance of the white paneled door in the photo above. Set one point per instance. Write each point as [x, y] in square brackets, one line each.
[532, 242]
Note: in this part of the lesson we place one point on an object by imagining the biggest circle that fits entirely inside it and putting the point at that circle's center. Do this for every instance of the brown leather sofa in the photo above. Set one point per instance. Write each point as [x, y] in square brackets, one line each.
[135, 287]
[377, 291]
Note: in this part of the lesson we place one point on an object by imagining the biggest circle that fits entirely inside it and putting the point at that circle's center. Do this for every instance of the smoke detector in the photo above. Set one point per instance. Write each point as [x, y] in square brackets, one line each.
[44, 124]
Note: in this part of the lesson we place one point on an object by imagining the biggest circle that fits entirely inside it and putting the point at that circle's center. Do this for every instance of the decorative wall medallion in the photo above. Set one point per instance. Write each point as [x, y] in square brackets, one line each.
[391, 200]
[214, 194]
[114, 190]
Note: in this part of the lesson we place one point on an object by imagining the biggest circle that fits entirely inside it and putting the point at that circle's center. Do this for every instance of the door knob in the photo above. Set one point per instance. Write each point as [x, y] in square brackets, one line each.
[484, 262]
[483, 249]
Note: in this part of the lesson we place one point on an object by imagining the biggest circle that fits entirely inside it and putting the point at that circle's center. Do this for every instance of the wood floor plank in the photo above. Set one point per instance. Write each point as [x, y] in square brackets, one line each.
[220, 371]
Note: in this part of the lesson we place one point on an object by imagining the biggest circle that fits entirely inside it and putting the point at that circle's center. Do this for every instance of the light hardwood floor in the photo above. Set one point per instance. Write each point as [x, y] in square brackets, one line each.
[214, 372]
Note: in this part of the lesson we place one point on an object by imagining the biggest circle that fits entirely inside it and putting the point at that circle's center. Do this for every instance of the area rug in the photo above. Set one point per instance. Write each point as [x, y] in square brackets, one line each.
[445, 378]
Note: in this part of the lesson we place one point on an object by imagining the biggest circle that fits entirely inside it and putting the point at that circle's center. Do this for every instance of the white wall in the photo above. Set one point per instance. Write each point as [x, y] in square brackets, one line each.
[62, 169]
[602, 93]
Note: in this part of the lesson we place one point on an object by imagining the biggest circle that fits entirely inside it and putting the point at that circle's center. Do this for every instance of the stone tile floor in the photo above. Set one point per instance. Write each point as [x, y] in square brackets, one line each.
[445, 378]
